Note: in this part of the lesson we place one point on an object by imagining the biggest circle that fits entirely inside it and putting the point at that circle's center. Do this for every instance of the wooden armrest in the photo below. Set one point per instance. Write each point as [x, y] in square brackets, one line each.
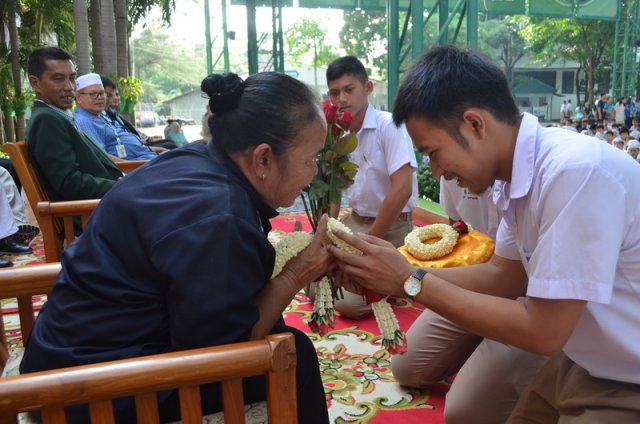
[28, 281]
[95, 384]
[68, 207]
[130, 165]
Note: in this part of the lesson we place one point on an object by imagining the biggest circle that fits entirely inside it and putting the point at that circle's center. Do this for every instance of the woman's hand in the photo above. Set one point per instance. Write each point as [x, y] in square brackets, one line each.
[312, 263]
[380, 268]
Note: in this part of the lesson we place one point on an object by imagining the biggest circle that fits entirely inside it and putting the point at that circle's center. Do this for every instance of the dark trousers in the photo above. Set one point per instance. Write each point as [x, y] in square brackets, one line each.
[312, 406]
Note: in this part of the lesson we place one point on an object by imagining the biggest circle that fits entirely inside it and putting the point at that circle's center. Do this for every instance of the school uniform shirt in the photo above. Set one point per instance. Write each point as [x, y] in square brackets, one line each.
[557, 219]
[475, 209]
[382, 149]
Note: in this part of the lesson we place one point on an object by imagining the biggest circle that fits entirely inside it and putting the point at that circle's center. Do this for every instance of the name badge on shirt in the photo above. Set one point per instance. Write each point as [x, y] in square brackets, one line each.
[122, 153]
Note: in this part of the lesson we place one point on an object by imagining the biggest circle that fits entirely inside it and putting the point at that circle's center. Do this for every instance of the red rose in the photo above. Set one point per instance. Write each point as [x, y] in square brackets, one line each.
[345, 120]
[461, 227]
[335, 130]
[330, 111]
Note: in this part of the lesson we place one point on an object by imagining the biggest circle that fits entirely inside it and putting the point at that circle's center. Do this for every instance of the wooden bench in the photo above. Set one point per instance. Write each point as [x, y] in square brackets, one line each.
[96, 385]
[54, 218]
[141, 378]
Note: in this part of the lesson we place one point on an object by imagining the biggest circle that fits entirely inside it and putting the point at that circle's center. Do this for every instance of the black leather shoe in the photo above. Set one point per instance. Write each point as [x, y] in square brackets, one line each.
[10, 247]
[25, 234]
[5, 263]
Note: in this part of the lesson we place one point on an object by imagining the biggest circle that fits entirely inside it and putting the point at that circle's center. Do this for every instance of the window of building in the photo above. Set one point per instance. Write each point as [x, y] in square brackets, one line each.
[568, 82]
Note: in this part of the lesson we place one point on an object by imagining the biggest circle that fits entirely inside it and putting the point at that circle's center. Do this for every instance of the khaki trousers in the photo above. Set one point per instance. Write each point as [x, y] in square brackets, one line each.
[491, 375]
[565, 393]
[353, 305]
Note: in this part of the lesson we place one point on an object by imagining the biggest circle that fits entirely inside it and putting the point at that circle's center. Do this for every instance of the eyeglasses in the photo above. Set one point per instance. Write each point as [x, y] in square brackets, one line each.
[96, 94]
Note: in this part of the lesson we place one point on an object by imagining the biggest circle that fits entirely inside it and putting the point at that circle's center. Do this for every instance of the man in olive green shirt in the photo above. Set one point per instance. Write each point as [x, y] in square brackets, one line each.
[70, 165]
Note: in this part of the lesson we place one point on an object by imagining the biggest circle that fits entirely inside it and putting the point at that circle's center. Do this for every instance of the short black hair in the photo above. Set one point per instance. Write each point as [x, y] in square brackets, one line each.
[36, 64]
[623, 130]
[446, 81]
[253, 117]
[108, 82]
[347, 65]
[609, 132]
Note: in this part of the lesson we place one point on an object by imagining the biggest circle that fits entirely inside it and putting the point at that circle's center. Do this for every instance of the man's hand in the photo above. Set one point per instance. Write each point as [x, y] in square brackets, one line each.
[381, 267]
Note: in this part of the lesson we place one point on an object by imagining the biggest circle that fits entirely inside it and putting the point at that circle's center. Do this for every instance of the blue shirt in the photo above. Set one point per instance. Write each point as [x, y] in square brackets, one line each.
[172, 259]
[106, 133]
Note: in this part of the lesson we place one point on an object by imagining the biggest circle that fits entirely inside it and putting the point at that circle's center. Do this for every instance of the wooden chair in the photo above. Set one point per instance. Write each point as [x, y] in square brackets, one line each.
[56, 223]
[23, 283]
[52, 217]
[49, 392]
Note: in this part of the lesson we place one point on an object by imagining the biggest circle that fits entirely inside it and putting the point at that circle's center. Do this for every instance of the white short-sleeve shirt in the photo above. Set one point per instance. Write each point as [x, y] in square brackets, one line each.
[572, 215]
[382, 149]
[475, 209]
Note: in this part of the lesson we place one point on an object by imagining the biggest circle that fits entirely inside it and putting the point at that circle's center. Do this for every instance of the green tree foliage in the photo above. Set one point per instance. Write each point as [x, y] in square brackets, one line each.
[306, 45]
[166, 68]
[364, 35]
[501, 42]
[428, 185]
[588, 42]
[138, 9]
[45, 18]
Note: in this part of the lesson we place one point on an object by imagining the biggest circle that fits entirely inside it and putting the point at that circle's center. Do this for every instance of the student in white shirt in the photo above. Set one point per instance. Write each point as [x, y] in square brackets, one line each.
[580, 267]
[385, 188]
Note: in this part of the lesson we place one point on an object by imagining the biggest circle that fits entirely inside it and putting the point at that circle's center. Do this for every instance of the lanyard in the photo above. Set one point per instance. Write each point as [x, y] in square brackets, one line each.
[120, 149]
[111, 126]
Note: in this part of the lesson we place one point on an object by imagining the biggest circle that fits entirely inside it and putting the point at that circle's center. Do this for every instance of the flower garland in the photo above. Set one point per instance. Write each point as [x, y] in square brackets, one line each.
[414, 241]
[323, 317]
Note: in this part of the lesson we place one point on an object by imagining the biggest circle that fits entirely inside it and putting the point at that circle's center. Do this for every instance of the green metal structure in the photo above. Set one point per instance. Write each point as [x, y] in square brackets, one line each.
[450, 15]
[624, 81]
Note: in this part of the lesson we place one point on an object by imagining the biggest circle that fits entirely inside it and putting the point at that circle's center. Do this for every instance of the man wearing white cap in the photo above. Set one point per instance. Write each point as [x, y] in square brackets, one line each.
[633, 149]
[70, 165]
[115, 140]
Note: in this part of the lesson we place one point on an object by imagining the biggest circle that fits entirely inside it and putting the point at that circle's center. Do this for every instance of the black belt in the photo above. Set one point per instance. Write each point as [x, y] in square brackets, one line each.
[404, 216]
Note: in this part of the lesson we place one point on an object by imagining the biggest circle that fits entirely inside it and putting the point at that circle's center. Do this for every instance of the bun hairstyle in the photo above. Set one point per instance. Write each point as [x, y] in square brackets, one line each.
[224, 92]
[267, 107]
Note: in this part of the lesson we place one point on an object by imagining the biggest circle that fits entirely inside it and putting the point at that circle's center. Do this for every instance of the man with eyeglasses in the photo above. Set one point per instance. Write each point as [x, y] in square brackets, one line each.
[111, 136]
[70, 165]
[157, 145]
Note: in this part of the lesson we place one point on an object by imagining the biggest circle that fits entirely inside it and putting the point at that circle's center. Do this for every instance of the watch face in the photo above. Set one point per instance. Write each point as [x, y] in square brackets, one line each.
[412, 286]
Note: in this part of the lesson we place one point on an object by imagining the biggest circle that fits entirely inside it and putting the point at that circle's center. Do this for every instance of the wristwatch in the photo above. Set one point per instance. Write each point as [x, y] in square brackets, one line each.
[413, 284]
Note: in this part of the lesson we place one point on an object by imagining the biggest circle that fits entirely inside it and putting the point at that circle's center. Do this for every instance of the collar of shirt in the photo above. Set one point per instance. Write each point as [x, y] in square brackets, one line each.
[264, 210]
[369, 120]
[66, 113]
[522, 168]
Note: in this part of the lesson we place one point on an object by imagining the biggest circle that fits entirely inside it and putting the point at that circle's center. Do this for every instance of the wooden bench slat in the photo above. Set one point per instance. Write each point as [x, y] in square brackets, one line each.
[101, 412]
[233, 401]
[147, 408]
[190, 409]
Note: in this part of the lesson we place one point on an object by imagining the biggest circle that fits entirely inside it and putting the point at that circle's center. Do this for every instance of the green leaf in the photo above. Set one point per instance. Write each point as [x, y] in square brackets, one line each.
[318, 189]
[347, 144]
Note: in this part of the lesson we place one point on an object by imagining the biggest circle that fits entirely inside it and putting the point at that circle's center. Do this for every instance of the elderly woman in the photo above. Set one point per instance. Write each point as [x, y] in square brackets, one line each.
[177, 257]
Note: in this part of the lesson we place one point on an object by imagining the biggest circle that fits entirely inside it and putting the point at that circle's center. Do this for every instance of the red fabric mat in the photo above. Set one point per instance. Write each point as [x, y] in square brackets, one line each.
[356, 372]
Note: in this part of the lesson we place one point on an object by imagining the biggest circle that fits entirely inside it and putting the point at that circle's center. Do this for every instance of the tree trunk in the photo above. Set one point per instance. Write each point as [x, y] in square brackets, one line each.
[15, 67]
[122, 37]
[81, 21]
[108, 33]
[96, 37]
